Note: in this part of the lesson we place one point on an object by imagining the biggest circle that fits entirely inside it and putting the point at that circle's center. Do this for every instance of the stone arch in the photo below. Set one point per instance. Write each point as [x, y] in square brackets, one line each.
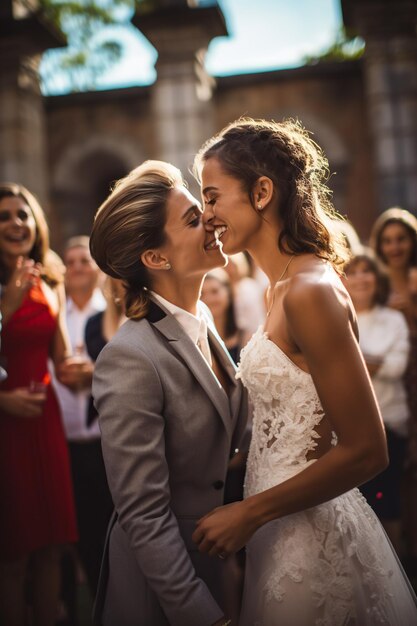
[82, 179]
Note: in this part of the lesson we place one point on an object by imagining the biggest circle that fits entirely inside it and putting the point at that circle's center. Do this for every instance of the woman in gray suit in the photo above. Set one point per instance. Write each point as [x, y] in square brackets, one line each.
[170, 410]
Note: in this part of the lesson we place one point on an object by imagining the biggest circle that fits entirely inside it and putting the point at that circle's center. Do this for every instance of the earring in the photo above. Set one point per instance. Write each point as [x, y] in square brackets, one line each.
[259, 206]
[168, 266]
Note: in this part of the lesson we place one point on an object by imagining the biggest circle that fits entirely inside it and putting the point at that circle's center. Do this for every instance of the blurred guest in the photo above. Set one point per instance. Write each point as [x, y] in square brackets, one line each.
[99, 330]
[384, 340]
[217, 293]
[83, 300]
[394, 239]
[102, 326]
[92, 498]
[35, 482]
[249, 294]
[3, 373]
[351, 237]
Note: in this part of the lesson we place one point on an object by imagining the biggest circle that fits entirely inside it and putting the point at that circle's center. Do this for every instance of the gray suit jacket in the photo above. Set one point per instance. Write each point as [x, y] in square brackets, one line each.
[168, 432]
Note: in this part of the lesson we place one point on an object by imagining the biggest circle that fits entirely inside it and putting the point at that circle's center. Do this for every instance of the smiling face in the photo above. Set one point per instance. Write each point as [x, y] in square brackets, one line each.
[186, 242]
[396, 245]
[228, 211]
[82, 271]
[361, 283]
[17, 228]
[216, 295]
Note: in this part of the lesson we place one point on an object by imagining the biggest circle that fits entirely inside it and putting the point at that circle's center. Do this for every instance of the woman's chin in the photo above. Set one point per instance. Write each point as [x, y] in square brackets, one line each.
[218, 257]
[398, 262]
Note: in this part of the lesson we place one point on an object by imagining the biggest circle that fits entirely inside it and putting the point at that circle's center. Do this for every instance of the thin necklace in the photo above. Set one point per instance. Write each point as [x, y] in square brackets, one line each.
[279, 279]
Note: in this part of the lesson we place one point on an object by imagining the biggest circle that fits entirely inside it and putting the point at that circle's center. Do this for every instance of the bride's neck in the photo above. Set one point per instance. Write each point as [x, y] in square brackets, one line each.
[269, 258]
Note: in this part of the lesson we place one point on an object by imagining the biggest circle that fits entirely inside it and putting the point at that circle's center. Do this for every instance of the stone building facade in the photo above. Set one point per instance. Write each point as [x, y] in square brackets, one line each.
[363, 114]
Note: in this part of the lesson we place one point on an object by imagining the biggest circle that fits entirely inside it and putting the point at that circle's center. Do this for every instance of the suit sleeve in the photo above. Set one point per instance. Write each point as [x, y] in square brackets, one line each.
[129, 398]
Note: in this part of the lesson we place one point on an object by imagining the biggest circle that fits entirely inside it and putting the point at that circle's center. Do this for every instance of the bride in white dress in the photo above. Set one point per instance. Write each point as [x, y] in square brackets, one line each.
[316, 553]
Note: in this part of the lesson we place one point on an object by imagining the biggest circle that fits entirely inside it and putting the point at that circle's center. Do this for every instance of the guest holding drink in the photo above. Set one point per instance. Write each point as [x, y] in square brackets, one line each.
[35, 486]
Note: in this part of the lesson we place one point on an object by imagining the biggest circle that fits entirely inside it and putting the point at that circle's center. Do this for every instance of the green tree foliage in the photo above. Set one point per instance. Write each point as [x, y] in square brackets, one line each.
[346, 47]
[92, 48]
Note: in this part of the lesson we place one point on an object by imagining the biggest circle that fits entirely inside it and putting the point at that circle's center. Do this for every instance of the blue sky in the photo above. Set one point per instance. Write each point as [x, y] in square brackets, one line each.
[264, 35]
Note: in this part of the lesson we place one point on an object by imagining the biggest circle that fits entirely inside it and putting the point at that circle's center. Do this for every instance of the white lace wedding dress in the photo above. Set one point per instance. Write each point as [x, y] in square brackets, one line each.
[330, 565]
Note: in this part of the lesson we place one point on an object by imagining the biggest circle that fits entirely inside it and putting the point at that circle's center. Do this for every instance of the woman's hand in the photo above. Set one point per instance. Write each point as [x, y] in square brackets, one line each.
[22, 403]
[75, 373]
[399, 301]
[224, 530]
[25, 276]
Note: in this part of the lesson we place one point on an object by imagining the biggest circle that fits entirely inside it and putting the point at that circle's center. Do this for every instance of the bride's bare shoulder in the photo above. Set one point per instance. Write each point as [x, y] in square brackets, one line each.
[317, 293]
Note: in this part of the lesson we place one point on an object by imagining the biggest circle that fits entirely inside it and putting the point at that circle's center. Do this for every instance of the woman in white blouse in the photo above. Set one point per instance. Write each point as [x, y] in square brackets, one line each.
[384, 340]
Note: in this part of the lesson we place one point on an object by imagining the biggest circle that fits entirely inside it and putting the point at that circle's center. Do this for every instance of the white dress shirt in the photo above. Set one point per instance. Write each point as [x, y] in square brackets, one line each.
[74, 404]
[194, 325]
[383, 333]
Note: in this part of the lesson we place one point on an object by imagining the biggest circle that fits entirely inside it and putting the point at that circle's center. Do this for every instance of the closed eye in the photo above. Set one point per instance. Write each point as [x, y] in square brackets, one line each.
[195, 222]
[211, 201]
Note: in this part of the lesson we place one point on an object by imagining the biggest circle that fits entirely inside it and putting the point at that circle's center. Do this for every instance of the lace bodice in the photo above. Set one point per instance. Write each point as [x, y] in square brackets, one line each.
[286, 412]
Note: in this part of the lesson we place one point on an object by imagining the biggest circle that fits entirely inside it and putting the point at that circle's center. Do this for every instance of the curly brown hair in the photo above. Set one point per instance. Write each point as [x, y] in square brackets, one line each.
[284, 152]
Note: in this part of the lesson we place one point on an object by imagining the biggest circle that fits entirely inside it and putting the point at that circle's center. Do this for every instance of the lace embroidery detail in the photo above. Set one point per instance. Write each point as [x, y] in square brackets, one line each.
[286, 411]
[336, 534]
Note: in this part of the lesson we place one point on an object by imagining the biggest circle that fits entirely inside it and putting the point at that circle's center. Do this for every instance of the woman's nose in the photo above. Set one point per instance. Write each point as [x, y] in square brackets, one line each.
[16, 219]
[208, 216]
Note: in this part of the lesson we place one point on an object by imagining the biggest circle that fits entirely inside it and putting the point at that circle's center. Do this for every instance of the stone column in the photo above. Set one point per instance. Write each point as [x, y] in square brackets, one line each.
[390, 73]
[23, 36]
[181, 96]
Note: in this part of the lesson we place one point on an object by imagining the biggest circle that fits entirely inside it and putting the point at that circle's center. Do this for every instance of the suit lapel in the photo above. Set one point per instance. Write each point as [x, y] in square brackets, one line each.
[217, 345]
[167, 325]
[238, 396]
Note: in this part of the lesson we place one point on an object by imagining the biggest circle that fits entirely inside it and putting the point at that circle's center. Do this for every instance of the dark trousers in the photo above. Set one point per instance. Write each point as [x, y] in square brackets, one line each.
[94, 507]
[93, 504]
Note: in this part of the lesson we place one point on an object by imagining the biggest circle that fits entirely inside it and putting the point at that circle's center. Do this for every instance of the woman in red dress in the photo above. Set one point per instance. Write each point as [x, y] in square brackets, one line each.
[36, 499]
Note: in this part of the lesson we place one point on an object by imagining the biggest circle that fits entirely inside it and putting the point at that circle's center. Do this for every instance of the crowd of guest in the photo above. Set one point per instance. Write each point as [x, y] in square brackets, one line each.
[56, 319]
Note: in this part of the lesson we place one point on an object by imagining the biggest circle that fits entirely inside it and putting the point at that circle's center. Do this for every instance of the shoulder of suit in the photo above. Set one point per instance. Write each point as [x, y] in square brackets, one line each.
[133, 335]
